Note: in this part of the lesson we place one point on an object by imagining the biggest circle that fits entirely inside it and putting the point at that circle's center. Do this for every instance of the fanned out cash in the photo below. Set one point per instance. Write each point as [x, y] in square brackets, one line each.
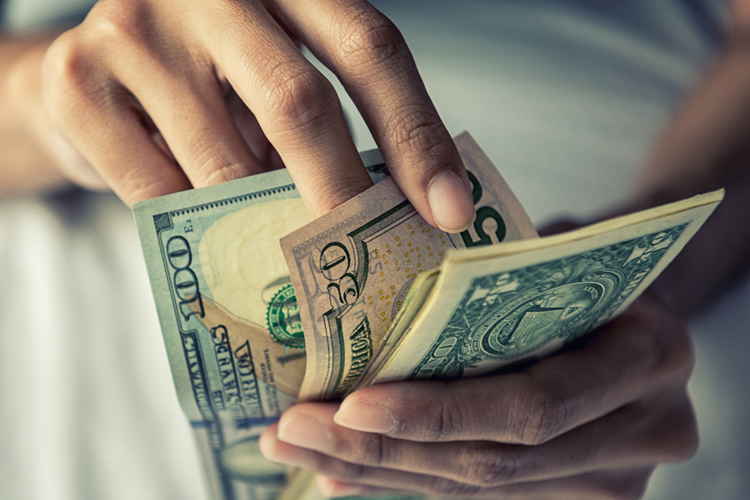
[369, 293]
[491, 307]
[229, 315]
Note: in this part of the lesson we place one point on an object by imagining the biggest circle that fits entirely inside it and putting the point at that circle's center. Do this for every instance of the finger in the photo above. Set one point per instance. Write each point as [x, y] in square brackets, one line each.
[105, 124]
[641, 434]
[630, 484]
[248, 126]
[360, 479]
[295, 105]
[189, 110]
[642, 351]
[370, 57]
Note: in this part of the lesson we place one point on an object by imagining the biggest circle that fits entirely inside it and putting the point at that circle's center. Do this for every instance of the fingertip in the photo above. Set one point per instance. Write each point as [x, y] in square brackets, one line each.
[450, 202]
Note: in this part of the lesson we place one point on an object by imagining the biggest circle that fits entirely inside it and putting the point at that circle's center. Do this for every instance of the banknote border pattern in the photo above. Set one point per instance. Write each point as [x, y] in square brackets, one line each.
[212, 424]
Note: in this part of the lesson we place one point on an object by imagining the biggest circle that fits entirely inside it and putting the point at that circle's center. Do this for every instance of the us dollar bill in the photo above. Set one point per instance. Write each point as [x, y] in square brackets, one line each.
[229, 318]
[511, 304]
[352, 268]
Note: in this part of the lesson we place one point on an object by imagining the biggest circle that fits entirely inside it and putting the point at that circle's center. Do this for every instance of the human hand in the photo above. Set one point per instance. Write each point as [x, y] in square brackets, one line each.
[159, 97]
[590, 422]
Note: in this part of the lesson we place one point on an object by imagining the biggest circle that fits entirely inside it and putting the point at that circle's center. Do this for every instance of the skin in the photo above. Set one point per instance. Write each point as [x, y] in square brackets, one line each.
[145, 98]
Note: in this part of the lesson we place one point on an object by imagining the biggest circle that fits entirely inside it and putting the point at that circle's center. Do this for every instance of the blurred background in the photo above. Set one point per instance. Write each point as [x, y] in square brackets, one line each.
[565, 96]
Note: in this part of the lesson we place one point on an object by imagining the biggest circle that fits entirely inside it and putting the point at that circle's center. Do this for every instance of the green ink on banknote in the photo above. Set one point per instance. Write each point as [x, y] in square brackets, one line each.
[283, 319]
[509, 316]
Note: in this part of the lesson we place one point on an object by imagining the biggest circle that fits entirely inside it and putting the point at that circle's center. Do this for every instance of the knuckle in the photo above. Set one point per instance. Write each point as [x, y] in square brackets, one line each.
[113, 22]
[371, 39]
[342, 471]
[297, 94]
[77, 62]
[72, 92]
[417, 131]
[545, 417]
[446, 420]
[487, 468]
[453, 489]
[372, 450]
[64, 72]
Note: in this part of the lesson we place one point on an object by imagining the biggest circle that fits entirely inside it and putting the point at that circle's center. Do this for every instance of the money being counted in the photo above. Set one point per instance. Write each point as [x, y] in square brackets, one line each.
[353, 267]
[513, 303]
[229, 318]
[377, 300]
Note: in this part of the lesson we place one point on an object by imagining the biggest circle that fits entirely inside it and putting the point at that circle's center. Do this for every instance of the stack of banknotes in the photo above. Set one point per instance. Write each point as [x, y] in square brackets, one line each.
[260, 306]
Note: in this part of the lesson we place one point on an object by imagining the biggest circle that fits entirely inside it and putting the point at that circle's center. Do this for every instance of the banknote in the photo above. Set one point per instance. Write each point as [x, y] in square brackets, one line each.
[511, 304]
[353, 268]
[228, 316]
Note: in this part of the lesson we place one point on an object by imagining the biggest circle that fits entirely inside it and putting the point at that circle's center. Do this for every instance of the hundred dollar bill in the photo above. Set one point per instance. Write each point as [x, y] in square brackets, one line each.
[352, 268]
[228, 316]
[511, 304]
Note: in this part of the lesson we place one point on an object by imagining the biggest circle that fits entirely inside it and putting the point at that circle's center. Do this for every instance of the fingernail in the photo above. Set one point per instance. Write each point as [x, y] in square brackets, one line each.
[306, 432]
[365, 417]
[450, 202]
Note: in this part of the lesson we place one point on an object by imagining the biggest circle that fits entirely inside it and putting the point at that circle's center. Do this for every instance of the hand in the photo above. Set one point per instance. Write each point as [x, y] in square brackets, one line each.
[159, 97]
[590, 422]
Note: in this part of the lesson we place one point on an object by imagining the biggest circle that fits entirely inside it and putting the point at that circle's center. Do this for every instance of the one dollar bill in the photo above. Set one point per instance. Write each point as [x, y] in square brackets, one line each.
[511, 304]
